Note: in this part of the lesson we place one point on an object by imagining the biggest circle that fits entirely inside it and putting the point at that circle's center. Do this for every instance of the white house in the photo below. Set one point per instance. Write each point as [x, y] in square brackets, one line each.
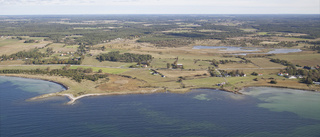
[292, 77]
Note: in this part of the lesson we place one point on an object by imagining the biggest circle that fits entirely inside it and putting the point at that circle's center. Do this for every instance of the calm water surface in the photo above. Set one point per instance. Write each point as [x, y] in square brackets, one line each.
[203, 112]
[247, 49]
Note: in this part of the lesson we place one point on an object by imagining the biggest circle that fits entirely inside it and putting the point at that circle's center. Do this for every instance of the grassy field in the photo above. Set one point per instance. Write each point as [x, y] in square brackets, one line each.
[4, 42]
[265, 63]
[60, 47]
[104, 70]
[302, 59]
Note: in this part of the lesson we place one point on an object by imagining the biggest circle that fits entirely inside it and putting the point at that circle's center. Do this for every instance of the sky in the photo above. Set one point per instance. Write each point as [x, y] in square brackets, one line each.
[57, 7]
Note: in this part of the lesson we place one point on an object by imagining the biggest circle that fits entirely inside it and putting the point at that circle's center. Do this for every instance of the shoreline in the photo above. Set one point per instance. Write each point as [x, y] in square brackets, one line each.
[73, 99]
[49, 80]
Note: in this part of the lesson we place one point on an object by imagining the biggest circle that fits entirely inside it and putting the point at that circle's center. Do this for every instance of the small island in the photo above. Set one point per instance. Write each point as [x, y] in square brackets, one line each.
[168, 54]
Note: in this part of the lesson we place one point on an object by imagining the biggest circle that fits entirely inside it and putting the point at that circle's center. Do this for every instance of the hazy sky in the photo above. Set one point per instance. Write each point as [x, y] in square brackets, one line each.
[23, 7]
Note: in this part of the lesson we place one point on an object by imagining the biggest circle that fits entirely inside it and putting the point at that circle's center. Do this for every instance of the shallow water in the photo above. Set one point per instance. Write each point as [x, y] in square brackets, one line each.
[202, 112]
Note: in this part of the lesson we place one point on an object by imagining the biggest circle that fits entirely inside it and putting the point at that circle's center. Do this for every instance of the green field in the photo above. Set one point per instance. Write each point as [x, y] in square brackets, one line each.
[105, 70]
[265, 63]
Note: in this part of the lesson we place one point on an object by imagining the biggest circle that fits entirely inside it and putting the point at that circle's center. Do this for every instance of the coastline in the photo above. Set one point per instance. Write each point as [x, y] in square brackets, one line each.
[73, 98]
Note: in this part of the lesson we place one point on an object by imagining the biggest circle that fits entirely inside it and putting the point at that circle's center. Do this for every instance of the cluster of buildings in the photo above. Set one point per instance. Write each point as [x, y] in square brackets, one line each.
[288, 76]
[65, 54]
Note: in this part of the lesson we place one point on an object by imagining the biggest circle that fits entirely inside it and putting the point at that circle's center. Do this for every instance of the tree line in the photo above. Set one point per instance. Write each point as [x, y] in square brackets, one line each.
[75, 74]
[126, 57]
[34, 53]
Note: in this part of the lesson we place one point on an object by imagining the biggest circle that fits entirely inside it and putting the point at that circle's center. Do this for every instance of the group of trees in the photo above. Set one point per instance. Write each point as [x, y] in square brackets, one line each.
[232, 73]
[126, 57]
[34, 53]
[76, 74]
[55, 60]
[280, 44]
[166, 41]
[283, 62]
[30, 41]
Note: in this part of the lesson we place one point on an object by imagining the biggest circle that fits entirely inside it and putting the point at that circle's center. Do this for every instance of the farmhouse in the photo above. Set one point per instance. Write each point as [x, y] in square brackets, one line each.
[292, 77]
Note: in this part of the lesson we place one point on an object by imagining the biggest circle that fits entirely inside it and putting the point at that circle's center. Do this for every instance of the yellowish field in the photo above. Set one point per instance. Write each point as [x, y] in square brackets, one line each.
[12, 62]
[9, 46]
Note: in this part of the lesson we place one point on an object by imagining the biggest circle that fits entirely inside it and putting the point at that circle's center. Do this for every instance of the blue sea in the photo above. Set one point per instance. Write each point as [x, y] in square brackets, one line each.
[260, 111]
